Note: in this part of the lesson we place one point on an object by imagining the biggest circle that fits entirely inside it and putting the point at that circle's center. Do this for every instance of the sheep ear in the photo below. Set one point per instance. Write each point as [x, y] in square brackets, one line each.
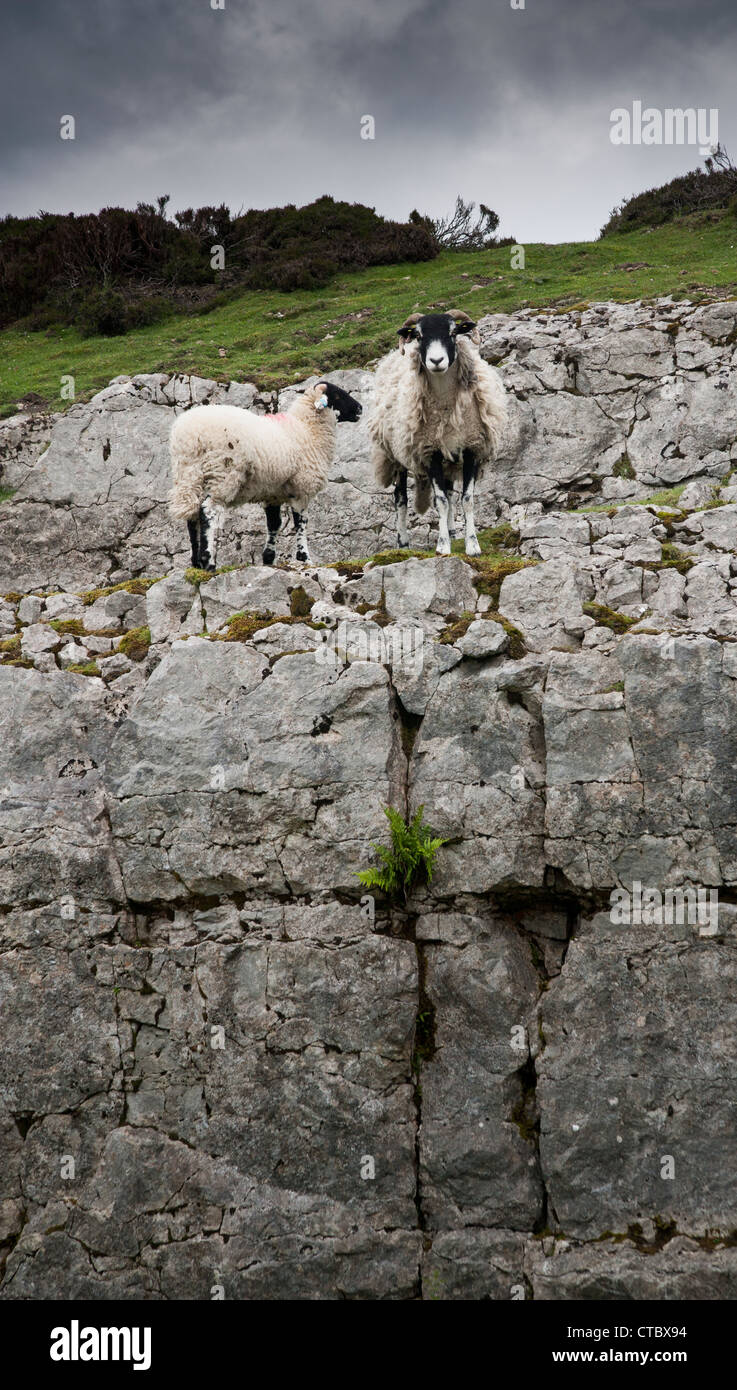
[407, 326]
[465, 326]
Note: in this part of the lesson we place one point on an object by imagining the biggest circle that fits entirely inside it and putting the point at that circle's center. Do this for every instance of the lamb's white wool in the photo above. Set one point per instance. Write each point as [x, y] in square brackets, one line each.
[227, 456]
[235, 456]
[436, 400]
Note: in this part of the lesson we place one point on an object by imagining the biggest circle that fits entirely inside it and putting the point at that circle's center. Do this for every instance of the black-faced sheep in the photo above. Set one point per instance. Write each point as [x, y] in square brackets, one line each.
[438, 413]
[223, 456]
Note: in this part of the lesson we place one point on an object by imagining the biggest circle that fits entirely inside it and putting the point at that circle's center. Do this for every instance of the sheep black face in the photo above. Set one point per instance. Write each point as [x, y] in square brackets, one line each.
[345, 406]
[436, 336]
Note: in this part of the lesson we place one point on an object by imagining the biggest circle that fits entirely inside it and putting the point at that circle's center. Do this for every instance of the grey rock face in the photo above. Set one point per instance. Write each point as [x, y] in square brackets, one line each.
[274, 1061]
[74, 653]
[120, 610]
[24, 439]
[38, 637]
[493, 746]
[683, 1269]
[483, 639]
[474, 1144]
[8, 618]
[547, 602]
[30, 609]
[56, 841]
[257, 588]
[611, 1119]
[200, 770]
[173, 609]
[636, 399]
[223, 1063]
[424, 591]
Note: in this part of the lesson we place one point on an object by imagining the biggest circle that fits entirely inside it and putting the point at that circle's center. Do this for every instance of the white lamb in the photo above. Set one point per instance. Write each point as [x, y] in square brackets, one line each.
[438, 413]
[223, 456]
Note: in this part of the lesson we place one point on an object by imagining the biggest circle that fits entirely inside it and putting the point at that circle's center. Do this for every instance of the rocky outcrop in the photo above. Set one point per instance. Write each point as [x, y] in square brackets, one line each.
[612, 402]
[617, 398]
[224, 1066]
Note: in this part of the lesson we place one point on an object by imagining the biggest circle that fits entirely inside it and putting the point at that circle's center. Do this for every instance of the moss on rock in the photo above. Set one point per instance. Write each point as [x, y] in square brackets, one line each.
[138, 585]
[609, 617]
[136, 643]
[64, 626]
[300, 603]
[195, 576]
[84, 668]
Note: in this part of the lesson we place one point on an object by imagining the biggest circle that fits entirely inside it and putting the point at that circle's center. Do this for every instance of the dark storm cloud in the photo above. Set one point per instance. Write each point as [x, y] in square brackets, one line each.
[261, 103]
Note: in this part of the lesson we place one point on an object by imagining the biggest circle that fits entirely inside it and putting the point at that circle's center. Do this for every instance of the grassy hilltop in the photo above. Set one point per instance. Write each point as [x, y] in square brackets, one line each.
[274, 338]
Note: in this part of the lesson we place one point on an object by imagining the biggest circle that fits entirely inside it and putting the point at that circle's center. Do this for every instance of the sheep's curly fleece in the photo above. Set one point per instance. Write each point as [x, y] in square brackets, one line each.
[235, 456]
[409, 422]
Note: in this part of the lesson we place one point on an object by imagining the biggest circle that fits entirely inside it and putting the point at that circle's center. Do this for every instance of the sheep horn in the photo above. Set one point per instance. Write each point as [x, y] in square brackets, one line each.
[459, 315]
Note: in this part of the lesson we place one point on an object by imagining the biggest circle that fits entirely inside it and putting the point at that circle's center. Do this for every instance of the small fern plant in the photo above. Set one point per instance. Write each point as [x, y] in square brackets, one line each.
[410, 859]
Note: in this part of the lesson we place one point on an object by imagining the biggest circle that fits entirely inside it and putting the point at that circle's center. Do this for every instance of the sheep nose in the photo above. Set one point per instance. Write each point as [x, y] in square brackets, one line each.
[436, 361]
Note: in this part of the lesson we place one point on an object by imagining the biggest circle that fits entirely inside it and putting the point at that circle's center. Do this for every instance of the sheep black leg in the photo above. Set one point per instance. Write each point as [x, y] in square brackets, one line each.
[273, 522]
[470, 471]
[302, 553]
[193, 526]
[400, 508]
[441, 486]
[208, 535]
[450, 492]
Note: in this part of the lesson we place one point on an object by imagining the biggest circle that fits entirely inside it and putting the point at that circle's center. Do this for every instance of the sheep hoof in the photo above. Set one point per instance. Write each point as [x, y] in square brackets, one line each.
[472, 546]
[402, 542]
[442, 548]
[268, 556]
[302, 557]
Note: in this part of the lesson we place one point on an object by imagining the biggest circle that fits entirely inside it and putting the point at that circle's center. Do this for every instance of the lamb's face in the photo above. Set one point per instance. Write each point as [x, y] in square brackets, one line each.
[346, 407]
[435, 338]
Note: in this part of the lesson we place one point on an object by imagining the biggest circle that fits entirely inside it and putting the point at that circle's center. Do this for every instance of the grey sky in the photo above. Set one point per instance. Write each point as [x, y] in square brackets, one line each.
[260, 104]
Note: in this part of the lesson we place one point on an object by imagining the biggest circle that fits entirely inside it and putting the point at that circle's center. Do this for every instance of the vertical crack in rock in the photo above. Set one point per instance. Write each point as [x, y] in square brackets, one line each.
[423, 1051]
[526, 1112]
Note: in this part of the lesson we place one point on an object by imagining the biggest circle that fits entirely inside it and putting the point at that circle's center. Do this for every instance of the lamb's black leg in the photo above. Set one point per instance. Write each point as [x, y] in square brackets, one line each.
[400, 508]
[302, 554]
[193, 526]
[273, 522]
[441, 486]
[470, 471]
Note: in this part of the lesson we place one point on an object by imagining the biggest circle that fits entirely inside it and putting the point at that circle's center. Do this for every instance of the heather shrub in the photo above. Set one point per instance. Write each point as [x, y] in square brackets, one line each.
[109, 271]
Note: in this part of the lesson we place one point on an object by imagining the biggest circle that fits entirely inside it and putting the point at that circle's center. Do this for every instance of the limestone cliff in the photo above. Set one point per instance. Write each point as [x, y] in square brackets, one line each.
[217, 1066]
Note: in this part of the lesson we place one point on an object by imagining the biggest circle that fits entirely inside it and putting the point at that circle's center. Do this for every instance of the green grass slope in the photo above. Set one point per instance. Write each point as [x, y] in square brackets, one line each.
[275, 338]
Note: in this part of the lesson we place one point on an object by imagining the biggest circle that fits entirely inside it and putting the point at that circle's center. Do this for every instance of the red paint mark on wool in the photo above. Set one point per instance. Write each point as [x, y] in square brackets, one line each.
[280, 415]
